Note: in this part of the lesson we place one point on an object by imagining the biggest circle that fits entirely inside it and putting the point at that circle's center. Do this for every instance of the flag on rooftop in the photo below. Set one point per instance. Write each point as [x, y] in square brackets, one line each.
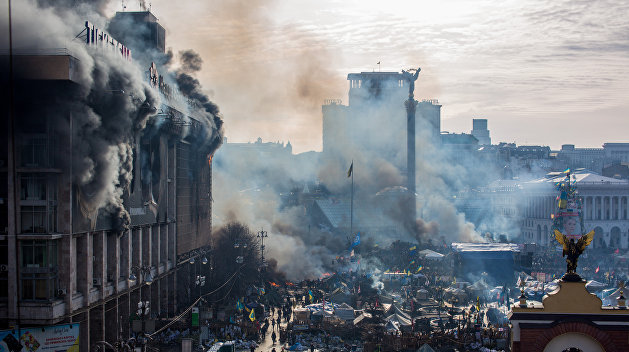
[351, 169]
[356, 241]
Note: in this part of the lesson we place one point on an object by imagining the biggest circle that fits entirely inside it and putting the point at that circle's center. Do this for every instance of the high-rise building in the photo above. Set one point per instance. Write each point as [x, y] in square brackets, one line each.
[97, 217]
[374, 122]
[139, 30]
[480, 131]
[380, 132]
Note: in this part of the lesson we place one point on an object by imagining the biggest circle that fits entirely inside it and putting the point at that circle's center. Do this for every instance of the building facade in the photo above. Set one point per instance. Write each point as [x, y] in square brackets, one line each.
[604, 210]
[68, 259]
[569, 319]
[480, 131]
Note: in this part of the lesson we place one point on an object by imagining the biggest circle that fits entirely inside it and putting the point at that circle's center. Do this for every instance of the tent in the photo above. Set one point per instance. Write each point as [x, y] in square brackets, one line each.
[425, 348]
[612, 299]
[421, 294]
[594, 285]
[395, 309]
[296, 347]
[344, 312]
[430, 254]
[302, 314]
[479, 285]
[364, 317]
[399, 319]
[391, 326]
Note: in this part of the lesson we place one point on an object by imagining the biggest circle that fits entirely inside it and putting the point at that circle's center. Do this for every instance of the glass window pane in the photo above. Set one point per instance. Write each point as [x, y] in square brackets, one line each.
[27, 253]
[39, 220]
[40, 256]
[27, 219]
[52, 257]
[40, 289]
[27, 289]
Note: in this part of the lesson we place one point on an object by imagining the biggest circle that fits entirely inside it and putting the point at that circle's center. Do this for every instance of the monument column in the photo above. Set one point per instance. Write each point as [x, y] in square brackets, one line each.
[411, 105]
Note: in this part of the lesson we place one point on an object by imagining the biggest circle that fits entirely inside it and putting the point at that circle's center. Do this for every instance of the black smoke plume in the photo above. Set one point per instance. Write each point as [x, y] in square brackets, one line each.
[109, 101]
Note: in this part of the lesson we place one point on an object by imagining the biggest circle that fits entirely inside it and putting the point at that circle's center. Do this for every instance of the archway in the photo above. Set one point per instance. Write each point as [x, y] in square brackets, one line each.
[539, 234]
[573, 341]
[599, 238]
[614, 237]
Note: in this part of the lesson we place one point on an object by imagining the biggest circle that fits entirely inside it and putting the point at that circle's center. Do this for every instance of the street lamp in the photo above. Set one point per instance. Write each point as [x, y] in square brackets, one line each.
[143, 310]
[262, 235]
[144, 271]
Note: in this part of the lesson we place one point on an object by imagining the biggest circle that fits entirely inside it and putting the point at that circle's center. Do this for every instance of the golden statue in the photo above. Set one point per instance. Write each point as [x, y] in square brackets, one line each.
[572, 251]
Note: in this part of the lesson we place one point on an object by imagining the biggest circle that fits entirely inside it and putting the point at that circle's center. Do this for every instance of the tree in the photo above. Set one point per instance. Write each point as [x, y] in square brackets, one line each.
[236, 249]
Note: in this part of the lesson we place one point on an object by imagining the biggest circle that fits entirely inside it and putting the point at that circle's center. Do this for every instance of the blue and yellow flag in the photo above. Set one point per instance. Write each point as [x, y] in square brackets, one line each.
[412, 248]
[310, 296]
[420, 268]
[412, 262]
[356, 241]
[262, 291]
[239, 305]
[252, 315]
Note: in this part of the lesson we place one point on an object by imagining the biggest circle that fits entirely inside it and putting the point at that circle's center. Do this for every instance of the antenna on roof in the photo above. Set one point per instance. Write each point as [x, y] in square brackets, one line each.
[123, 5]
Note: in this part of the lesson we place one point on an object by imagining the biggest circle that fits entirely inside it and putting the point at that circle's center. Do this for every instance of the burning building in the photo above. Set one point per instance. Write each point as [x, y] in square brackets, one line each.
[106, 190]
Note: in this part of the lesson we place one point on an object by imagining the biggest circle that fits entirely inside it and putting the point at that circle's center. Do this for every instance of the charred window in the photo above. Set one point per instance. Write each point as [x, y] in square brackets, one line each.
[150, 161]
[156, 165]
[134, 155]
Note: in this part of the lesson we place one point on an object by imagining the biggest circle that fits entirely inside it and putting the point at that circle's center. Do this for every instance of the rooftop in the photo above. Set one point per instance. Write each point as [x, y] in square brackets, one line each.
[485, 247]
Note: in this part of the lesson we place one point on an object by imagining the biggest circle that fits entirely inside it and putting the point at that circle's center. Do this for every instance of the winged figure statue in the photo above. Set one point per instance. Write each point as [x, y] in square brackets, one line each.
[572, 250]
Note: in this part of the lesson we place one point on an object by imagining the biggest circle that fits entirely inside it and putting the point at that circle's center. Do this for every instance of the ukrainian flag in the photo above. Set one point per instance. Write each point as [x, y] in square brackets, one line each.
[252, 315]
[310, 296]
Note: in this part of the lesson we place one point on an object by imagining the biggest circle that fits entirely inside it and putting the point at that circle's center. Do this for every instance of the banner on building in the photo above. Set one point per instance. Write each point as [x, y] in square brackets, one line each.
[41, 339]
[195, 316]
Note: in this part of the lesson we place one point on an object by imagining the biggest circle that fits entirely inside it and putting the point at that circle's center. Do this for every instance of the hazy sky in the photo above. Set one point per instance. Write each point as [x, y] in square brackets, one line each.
[541, 72]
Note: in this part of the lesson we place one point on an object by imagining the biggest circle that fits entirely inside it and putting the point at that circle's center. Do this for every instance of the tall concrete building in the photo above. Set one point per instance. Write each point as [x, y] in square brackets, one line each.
[374, 122]
[82, 249]
[480, 131]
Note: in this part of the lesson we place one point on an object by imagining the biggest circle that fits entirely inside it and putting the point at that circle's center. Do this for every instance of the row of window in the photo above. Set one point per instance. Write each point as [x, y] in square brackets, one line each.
[38, 203]
[38, 273]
